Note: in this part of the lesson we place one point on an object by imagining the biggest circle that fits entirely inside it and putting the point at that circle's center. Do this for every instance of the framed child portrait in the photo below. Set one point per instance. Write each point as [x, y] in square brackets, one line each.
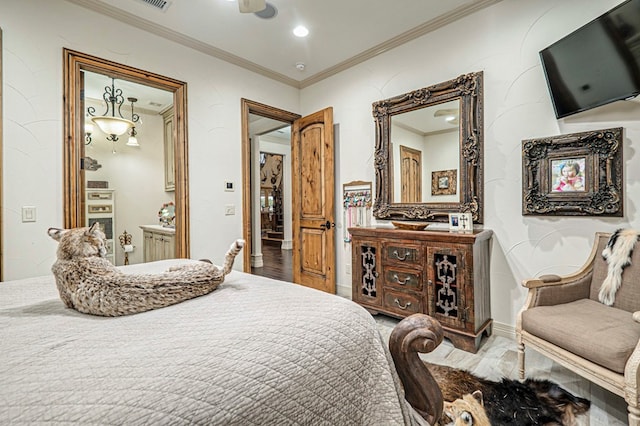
[578, 174]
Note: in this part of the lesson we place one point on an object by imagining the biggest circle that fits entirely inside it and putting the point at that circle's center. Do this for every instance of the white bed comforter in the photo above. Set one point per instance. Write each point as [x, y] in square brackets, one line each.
[254, 352]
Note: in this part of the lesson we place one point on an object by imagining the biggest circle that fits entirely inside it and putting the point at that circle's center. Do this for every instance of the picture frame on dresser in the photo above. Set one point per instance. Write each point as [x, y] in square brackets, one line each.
[578, 174]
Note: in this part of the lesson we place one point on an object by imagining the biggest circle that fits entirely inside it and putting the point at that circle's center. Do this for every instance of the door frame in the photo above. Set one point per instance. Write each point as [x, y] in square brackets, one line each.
[251, 107]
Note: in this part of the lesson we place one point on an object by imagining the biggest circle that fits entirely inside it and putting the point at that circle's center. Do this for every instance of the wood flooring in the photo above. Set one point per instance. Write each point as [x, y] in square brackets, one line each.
[277, 263]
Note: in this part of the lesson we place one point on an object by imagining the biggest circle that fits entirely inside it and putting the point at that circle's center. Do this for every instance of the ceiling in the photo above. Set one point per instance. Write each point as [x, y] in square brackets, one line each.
[342, 33]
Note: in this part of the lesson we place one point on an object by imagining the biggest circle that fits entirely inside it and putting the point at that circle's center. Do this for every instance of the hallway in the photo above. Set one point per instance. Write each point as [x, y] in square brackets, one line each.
[277, 263]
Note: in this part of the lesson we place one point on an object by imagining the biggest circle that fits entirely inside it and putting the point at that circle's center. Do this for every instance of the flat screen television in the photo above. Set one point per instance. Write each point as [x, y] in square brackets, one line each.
[596, 64]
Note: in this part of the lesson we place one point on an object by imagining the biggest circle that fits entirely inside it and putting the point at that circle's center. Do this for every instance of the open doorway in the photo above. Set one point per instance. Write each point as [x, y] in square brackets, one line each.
[266, 138]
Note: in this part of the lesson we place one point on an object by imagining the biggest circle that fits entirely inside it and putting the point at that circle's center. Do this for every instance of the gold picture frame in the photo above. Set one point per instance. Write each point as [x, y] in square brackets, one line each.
[444, 182]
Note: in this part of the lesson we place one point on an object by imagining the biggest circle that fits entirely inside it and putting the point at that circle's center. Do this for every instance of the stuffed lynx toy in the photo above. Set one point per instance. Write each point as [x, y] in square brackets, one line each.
[89, 283]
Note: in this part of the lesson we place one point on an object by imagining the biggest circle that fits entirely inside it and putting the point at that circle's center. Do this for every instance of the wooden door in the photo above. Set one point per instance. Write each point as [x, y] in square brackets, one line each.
[411, 175]
[313, 201]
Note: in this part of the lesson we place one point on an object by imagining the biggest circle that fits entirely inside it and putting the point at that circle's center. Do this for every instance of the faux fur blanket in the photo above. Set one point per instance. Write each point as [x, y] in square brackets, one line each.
[617, 253]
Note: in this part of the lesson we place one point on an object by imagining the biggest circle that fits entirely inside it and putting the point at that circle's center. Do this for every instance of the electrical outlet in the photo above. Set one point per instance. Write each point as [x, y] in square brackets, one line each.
[229, 210]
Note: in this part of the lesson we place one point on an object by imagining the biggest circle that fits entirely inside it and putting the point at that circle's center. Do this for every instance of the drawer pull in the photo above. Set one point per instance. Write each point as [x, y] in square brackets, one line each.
[406, 280]
[397, 302]
[404, 256]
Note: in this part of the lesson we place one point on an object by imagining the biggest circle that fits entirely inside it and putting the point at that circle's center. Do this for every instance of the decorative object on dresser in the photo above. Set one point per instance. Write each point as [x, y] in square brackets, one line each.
[578, 174]
[438, 273]
[460, 222]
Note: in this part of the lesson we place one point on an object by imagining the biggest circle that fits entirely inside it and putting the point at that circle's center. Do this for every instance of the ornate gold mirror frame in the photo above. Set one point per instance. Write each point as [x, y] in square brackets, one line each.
[468, 88]
[74, 65]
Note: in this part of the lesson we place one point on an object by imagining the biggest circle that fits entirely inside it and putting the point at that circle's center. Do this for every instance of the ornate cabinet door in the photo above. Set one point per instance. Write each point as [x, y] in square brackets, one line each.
[449, 289]
[366, 266]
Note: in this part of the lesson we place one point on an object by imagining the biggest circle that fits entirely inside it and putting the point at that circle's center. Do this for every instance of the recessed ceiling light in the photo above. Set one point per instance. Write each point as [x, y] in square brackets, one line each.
[300, 31]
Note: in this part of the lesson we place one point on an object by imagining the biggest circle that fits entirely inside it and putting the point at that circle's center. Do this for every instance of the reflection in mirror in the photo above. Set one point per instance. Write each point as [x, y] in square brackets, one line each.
[429, 152]
[124, 179]
[424, 143]
[119, 180]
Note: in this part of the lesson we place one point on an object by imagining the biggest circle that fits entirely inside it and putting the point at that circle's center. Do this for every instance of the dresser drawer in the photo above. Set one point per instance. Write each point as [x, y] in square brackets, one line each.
[403, 279]
[400, 254]
[402, 303]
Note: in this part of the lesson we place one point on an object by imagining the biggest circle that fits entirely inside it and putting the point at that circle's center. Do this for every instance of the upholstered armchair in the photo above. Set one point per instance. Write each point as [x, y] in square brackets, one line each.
[564, 320]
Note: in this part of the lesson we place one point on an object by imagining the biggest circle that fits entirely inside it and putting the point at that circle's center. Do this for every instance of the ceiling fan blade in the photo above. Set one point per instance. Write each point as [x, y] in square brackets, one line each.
[252, 6]
[441, 112]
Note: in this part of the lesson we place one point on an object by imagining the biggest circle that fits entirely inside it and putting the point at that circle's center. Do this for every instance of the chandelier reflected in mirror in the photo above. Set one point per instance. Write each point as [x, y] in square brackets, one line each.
[113, 125]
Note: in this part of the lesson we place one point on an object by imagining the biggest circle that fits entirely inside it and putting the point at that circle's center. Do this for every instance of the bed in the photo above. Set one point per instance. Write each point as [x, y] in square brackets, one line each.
[256, 351]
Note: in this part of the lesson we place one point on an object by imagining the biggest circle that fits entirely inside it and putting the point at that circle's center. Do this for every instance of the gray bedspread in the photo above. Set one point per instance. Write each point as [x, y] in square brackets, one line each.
[254, 352]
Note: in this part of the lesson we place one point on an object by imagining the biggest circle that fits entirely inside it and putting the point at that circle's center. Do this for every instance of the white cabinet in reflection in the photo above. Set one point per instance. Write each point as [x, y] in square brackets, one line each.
[100, 207]
[159, 242]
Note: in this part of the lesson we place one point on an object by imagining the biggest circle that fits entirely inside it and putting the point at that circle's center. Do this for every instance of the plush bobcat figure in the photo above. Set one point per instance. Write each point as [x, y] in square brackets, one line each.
[466, 411]
[89, 283]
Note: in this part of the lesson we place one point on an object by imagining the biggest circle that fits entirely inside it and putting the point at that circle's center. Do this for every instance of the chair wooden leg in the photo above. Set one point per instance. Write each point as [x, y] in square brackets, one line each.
[634, 416]
[521, 360]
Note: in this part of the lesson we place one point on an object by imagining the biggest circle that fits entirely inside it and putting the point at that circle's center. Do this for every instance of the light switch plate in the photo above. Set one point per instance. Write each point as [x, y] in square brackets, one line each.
[28, 214]
[229, 186]
[229, 210]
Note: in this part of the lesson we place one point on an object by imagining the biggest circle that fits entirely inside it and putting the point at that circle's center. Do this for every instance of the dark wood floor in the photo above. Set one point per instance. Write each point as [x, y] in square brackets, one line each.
[277, 263]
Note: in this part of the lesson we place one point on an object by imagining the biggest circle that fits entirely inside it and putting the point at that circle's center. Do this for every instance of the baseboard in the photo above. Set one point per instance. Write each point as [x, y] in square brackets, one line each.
[256, 261]
[504, 330]
[343, 291]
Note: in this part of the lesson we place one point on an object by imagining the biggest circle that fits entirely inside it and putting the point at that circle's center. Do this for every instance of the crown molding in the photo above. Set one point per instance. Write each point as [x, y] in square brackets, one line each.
[399, 40]
[159, 30]
[210, 50]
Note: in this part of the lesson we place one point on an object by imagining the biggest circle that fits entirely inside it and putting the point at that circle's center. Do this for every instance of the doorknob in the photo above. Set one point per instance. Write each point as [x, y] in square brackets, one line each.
[327, 225]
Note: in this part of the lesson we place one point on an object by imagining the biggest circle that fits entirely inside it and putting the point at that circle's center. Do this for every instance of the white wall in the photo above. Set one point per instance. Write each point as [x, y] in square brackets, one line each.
[503, 41]
[34, 34]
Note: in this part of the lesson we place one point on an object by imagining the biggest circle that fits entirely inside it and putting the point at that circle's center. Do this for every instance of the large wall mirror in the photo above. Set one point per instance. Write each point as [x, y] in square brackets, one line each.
[429, 152]
[139, 182]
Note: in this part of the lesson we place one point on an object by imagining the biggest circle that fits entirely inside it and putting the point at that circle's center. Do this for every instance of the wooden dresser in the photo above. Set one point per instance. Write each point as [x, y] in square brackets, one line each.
[439, 273]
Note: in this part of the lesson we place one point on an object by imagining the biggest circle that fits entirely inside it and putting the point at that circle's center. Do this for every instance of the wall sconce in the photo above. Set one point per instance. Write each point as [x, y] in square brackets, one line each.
[112, 125]
[133, 140]
[88, 131]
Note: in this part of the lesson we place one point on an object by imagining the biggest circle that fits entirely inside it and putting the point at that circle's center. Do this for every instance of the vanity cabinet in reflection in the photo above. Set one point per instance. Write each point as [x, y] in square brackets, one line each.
[439, 273]
[169, 157]
[159, 243]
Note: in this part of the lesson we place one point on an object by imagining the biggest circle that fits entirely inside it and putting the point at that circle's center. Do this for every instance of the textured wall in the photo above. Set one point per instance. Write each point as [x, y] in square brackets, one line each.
[503, 41]
[34, 34]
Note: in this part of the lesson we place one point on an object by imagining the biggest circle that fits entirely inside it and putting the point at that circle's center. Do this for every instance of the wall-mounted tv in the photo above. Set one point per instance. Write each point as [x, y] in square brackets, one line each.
[596, 64]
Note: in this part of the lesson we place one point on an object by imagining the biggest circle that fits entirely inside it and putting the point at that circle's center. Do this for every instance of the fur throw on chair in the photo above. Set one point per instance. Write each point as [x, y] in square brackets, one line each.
[617, 253]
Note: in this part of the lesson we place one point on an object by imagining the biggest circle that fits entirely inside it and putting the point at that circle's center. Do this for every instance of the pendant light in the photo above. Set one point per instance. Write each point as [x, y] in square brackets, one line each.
[112, 125]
